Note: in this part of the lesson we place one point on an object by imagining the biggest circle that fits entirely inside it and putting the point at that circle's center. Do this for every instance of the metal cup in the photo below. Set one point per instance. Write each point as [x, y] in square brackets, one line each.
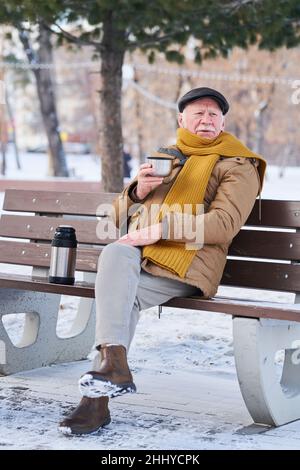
[162, 166]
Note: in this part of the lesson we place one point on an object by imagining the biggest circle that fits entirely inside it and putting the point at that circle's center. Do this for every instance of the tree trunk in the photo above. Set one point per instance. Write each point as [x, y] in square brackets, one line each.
[13, 127]
[139, 125]
[3, 144]
[3, 161]
[47, 99]
[111, 140]
[260, 126]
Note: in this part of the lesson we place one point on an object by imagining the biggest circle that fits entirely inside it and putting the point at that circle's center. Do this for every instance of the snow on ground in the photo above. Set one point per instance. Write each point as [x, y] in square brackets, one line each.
[35, 166]
[183, 364]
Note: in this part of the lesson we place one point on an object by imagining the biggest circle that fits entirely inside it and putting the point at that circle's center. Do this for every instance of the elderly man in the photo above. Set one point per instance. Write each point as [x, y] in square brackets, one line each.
[158, 259]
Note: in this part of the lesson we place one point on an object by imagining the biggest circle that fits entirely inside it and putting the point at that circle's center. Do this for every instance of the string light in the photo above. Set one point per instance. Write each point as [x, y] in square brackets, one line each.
[236, 77]
[45, 66]
[151, 96]
[221, 76]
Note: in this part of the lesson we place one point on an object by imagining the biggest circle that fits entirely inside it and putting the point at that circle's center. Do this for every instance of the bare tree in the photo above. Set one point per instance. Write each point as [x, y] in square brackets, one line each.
[46, 94]
[13, 128]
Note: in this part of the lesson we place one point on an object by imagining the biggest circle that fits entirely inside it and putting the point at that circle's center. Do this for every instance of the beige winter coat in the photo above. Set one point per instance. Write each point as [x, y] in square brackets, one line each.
[230, 195]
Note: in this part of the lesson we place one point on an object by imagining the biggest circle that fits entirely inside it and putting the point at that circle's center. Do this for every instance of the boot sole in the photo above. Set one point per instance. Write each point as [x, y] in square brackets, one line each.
[95, 388]
[67, 431]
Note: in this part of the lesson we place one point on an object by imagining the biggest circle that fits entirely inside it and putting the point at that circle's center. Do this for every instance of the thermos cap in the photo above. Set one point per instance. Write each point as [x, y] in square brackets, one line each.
[64, 237]
[66, 228]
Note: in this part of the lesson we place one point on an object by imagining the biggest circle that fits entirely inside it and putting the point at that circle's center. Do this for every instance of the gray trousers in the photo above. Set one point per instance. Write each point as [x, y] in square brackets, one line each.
[123, 289]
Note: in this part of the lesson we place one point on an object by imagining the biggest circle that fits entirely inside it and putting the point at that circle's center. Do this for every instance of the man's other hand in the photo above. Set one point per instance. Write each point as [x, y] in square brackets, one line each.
[145, 236]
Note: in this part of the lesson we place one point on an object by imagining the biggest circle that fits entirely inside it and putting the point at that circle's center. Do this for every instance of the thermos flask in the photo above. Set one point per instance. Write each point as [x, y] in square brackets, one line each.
[63, 255]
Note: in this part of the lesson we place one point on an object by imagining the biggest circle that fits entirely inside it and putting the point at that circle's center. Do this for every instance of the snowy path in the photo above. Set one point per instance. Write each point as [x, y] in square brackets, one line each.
[188, 395]
[178, 410]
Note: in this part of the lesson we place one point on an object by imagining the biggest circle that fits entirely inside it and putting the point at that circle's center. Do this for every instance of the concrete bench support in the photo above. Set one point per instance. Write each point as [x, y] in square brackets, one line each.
[272, 398]
[39, 345]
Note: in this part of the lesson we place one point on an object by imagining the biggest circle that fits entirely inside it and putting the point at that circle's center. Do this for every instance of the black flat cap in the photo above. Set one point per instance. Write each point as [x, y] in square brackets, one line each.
[203, 92]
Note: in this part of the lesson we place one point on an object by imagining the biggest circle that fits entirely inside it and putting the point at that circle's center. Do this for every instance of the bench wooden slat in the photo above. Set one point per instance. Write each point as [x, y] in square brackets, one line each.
[84, 289]
[237, 272]
[22, 282]
[276, 214]
[239, 309]
[54, 202]
[249, 243]
[263, 244]
[38, 255]
[259, 275]
[43, 228]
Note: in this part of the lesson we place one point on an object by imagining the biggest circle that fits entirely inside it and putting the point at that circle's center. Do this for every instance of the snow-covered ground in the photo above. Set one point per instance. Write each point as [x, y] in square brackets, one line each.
[183, 364]
[35, 166]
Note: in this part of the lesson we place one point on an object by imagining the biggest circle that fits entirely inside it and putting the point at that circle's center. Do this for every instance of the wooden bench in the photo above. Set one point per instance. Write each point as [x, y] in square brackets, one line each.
[30, 218]
[264, 255]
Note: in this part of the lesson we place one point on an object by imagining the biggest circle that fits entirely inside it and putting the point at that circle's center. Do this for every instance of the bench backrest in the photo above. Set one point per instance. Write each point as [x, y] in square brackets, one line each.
[265, 254]
[32, 216]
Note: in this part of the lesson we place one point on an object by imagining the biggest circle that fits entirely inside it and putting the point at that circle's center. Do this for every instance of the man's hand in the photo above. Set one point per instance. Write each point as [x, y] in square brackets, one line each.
[146, 182]
[145, 236]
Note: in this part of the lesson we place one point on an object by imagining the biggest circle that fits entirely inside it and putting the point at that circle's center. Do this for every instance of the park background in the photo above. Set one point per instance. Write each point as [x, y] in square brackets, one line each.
[261, 82]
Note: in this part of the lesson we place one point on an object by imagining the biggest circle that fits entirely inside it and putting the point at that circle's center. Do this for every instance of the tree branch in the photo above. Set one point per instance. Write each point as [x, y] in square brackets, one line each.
[74, 39]
[32, 56]
[153, 41]
[230, 8]
[234, 6]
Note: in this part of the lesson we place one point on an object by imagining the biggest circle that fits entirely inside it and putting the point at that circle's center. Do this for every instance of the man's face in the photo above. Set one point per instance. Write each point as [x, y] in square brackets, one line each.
[202, 117]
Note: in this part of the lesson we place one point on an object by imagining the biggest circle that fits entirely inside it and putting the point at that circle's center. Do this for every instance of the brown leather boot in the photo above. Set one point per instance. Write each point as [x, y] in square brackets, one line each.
[90, 415]
[113, 377]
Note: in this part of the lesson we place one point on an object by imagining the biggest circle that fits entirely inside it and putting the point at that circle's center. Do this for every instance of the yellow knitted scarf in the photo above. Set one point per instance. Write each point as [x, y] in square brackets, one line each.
[190, 187]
